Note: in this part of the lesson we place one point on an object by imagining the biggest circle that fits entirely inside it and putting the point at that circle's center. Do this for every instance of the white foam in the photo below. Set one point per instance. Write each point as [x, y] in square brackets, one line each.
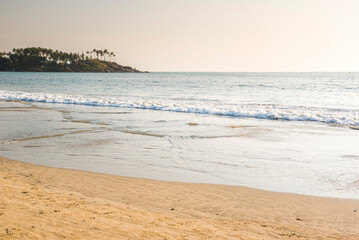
[261, 111]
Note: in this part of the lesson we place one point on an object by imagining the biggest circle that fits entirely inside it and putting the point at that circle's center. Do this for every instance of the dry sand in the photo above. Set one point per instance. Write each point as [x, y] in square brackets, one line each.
[39, 202]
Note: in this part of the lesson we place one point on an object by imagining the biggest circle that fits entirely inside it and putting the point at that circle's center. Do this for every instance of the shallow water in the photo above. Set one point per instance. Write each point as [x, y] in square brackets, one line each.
[287, 132]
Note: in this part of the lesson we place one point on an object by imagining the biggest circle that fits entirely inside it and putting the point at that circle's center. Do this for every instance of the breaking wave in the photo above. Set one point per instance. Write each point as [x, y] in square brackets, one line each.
[260, 111]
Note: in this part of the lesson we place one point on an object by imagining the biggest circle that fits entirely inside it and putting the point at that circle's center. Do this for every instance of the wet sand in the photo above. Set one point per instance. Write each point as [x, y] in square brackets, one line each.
[38, 202]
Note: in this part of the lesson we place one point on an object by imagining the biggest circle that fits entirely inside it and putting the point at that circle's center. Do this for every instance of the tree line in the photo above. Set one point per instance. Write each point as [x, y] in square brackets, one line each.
[100, 53]
[45, 59]
[46, 54]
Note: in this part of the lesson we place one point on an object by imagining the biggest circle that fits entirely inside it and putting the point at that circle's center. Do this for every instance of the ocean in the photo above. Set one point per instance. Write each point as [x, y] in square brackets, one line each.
[285, 132]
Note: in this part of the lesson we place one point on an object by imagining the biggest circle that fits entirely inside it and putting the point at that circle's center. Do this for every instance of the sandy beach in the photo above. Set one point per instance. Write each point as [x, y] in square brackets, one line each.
[38, 202]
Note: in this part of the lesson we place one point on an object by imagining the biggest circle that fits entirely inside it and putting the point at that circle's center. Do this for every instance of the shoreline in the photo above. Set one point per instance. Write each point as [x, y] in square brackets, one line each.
[38, 202]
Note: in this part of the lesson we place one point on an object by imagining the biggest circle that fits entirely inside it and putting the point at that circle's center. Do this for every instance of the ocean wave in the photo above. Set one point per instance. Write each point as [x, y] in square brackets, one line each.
[260, 111]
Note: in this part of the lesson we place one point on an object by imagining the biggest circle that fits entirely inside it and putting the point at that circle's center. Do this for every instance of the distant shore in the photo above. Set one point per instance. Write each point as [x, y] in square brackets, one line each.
[40, 202]
[37, 59]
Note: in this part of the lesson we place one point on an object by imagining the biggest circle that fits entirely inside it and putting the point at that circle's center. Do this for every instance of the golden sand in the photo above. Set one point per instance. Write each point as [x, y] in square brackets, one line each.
[39, 202]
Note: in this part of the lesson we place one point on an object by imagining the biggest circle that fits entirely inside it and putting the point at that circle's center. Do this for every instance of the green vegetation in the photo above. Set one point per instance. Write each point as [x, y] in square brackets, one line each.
[36, 59]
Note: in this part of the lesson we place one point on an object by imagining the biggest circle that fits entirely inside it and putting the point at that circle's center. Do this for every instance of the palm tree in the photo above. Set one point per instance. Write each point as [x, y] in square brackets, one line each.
[56, 56]
[49, 54]
[105, 52]
[112, 55]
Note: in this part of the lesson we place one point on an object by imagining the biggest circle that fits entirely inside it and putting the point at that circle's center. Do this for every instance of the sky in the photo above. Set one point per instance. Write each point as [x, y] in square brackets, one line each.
[193, 35]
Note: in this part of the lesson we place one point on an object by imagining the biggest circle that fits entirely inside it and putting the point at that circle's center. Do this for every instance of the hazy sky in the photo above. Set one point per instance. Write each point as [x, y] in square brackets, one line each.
[193, 35]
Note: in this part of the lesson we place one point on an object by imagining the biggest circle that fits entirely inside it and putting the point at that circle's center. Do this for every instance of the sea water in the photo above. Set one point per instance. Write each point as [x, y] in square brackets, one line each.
[287, 132]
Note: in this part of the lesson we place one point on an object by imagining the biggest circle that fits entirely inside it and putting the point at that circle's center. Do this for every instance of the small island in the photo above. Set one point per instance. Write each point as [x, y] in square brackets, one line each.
[37, 59]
